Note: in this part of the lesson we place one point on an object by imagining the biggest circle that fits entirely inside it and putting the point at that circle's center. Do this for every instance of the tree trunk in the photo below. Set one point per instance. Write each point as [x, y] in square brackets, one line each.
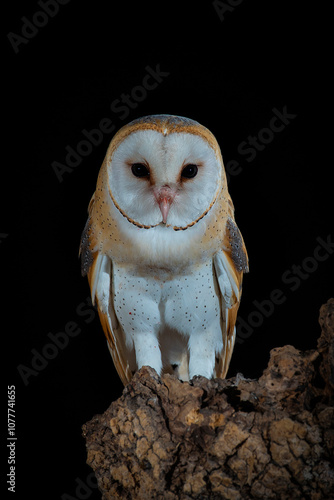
[271, 438]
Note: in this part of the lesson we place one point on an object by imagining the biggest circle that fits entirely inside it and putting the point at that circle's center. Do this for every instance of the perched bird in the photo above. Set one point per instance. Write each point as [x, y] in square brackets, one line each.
[162, 252]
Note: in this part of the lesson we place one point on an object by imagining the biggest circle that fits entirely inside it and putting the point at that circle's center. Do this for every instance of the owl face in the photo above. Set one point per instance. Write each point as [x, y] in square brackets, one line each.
[164, 179]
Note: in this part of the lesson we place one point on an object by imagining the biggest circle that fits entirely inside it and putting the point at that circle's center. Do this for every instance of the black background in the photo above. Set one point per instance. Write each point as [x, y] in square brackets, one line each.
[227, 74]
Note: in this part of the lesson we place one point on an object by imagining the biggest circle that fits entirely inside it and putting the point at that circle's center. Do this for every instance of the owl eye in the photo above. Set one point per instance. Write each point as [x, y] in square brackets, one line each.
[140, 170]
[189, 171]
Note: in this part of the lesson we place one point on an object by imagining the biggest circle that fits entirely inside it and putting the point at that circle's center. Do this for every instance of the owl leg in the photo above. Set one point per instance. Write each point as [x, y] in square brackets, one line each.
[147, 350]
[202, 349]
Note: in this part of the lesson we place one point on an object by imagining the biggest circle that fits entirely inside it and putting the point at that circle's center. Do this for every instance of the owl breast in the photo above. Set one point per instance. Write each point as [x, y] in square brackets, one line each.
[172, 307]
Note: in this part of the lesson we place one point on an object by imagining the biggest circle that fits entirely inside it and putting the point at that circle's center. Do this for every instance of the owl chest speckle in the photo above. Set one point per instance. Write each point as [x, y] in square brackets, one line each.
[157, 300]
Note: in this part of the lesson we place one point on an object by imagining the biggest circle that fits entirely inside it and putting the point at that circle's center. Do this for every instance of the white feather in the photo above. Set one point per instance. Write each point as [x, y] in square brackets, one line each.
[227, 284]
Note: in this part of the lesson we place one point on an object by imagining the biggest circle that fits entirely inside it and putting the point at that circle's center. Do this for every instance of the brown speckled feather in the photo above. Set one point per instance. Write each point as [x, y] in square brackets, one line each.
[237, 258]
[91, 266]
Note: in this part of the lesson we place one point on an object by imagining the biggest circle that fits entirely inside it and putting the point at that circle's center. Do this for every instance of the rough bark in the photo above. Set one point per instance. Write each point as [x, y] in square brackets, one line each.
[271, 438]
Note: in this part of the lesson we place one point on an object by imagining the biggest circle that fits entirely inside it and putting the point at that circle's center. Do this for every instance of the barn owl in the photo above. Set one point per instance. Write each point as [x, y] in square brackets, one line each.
[162, 252]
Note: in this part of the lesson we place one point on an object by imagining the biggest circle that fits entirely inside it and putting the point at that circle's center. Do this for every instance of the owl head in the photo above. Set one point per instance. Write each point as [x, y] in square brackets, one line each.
[164, 170]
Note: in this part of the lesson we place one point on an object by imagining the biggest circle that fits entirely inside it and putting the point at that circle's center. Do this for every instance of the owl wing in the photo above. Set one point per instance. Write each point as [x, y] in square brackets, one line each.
[230, 263]
[98, 268]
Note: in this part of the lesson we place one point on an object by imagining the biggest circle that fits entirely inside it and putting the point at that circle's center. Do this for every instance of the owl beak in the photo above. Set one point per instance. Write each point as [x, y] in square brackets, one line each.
[165, 197]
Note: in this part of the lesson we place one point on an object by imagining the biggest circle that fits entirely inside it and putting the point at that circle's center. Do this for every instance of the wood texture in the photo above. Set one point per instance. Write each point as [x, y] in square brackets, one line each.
[271, 438]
